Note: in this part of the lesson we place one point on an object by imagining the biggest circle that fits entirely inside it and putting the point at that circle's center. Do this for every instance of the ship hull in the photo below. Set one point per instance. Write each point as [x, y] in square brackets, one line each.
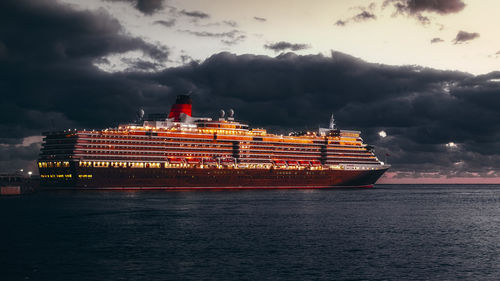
[193, 178]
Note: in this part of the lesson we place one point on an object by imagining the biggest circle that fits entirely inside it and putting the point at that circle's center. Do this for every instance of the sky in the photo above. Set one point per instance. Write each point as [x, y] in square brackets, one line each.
[424, 72]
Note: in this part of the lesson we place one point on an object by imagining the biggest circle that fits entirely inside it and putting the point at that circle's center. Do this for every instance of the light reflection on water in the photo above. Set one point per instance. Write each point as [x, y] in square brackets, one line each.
[386, 233]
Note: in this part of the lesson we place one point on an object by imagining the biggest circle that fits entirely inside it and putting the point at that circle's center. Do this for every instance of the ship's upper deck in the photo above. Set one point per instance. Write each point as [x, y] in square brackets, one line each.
[236, 129]
[166, 138]
[228, 126]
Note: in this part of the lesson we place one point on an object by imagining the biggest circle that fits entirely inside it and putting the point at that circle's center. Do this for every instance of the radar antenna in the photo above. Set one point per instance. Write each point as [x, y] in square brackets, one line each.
[140, 114]
[222, 113]
[230, 114]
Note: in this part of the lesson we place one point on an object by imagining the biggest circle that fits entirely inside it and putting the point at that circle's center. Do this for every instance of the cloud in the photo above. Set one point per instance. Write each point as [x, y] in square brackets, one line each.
[16, 156]
[423, 19]
[230, 23]
[364, 15]
[417, 107]
[50, 82]
[56, 53]
[463, 36]
[137, 65]
[195, 14]
[187, 59]
[229, 37]
[413, 7]
[147, 7]
[436, 40]
[166, 23]
[88, 35]
[260, 19]
[283, 46]
[340, 22]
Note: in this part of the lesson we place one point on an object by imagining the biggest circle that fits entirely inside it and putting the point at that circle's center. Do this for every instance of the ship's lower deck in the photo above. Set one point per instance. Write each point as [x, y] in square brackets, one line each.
[211, 178]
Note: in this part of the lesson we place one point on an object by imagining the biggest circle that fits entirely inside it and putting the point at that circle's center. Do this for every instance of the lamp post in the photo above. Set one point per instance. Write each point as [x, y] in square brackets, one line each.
[383, 135]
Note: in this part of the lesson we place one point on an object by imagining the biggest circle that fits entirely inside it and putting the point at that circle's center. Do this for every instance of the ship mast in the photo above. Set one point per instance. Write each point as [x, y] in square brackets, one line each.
[332, 123]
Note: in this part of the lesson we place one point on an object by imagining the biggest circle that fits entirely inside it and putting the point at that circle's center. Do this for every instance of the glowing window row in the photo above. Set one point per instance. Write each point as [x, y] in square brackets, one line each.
[67, 176]
[56, 164]
[105, 164]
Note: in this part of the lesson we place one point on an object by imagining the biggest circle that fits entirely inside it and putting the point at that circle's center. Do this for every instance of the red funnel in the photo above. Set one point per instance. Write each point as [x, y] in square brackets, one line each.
[182, 105]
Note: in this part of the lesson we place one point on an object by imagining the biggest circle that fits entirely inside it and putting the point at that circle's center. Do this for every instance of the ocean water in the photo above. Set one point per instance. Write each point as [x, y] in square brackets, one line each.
[391, 232]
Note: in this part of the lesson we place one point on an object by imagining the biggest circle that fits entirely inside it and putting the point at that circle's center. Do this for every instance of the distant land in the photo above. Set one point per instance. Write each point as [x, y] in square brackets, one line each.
[393, 178]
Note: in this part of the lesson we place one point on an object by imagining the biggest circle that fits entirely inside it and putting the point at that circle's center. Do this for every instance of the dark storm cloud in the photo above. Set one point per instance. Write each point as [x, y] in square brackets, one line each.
[187, 59]
[139, 65]
[195, 14]
[260, 19]
[283, 46]
[59, 38]
[147, 7]
[229, 37]
[48, 75]
[49, 81]
[421, 109]
[166, 23]
[17, 156]
[436, 40]
[463, 36]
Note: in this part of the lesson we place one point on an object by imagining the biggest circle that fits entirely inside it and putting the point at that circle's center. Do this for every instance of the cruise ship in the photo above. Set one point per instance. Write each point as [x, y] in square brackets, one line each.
[179, 151]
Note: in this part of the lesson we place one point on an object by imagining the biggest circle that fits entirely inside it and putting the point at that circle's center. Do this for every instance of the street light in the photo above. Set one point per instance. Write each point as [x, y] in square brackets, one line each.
[383, 135]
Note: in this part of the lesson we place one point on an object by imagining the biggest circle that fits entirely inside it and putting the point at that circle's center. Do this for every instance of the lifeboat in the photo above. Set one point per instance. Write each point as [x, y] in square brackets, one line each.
[227, 161]
[315, 163]
[193, 161]
[209, 162]
[173, 160]
[279, 163]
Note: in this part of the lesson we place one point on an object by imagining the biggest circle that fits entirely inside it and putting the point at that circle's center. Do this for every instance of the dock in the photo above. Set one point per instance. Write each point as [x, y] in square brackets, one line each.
[16, 184]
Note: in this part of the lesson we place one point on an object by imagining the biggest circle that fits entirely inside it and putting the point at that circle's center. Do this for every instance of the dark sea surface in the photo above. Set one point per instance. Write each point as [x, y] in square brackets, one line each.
[391, 232]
